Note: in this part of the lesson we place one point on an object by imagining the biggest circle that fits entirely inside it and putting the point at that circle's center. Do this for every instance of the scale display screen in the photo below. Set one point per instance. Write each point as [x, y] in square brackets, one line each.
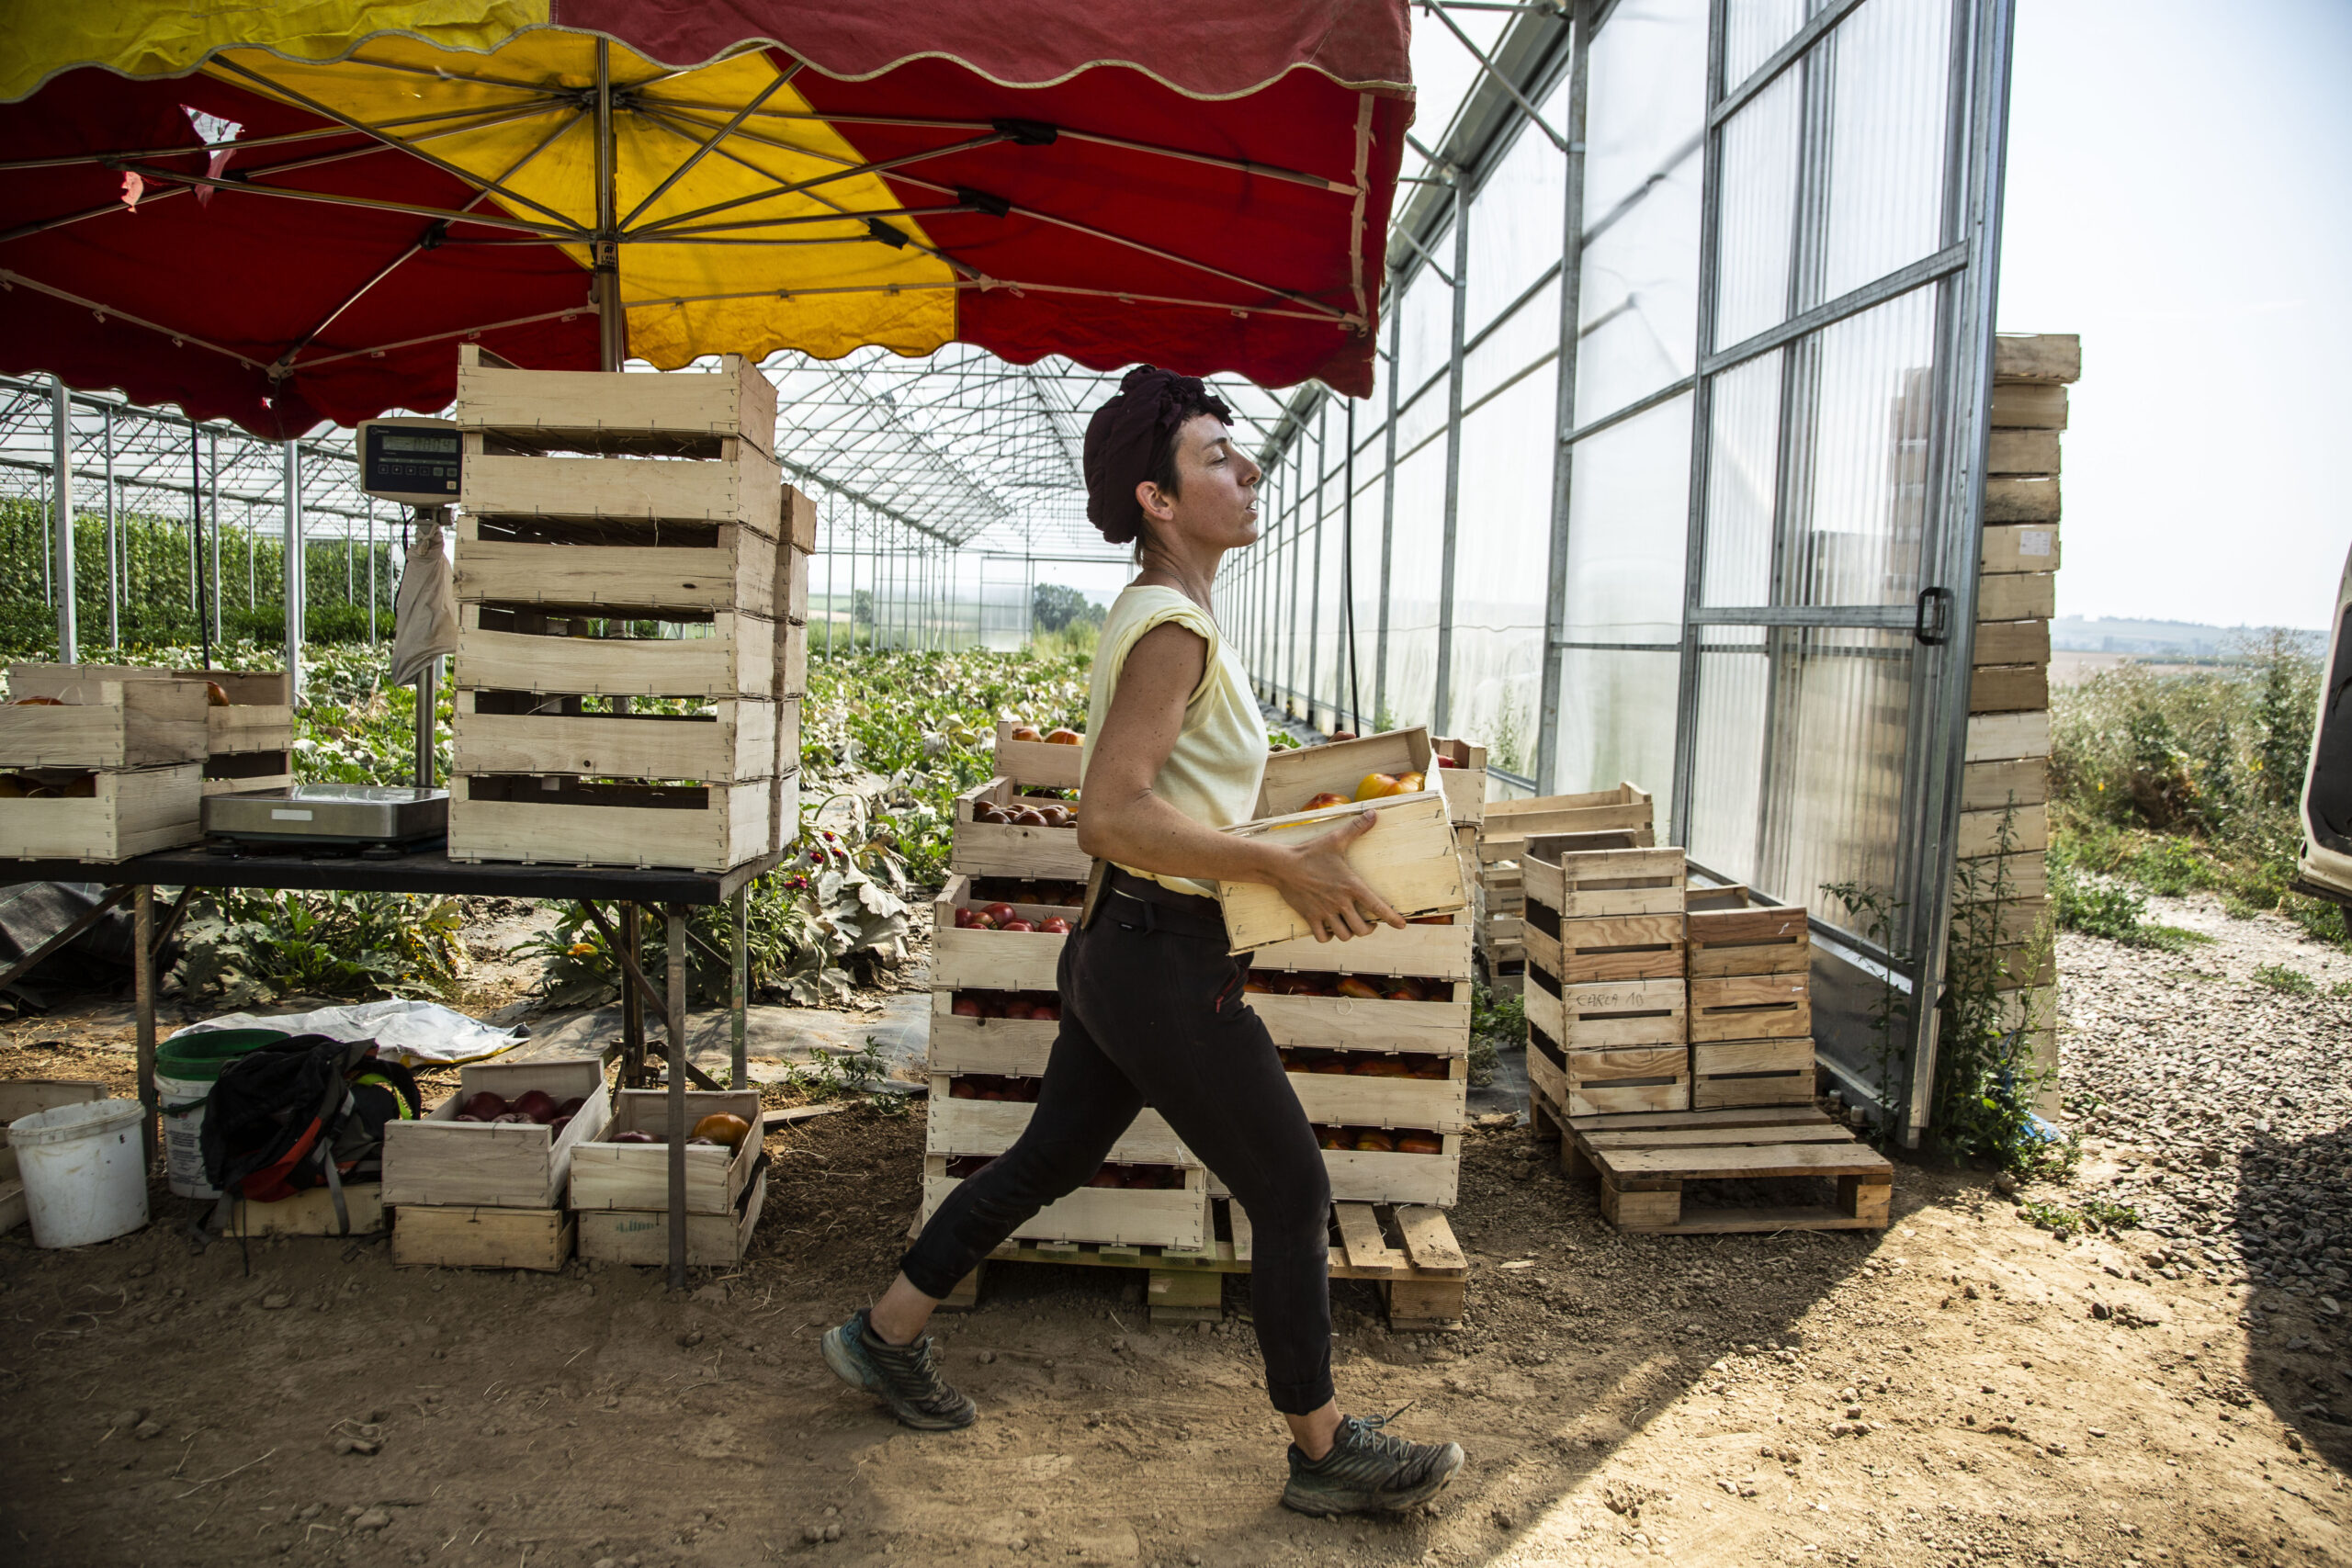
[417, 461]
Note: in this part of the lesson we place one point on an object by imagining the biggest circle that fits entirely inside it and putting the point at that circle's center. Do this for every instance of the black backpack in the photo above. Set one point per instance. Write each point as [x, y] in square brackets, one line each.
[306, 1112]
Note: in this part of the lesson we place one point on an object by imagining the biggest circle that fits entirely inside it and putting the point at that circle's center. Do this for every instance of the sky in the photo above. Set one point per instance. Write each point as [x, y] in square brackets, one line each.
[2180, 194]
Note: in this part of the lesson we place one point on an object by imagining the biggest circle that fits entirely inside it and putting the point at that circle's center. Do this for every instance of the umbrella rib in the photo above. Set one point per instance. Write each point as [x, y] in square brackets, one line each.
[722, 134]
[453, 170]
[656, 230]
[563, 315]
[245, 143]
[440, 74]
[285, 364]
[13, 279]
[332, 199]
[1125, 296]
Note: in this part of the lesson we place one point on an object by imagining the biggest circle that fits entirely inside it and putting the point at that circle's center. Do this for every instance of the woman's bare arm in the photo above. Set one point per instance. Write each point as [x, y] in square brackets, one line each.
[1121, 820]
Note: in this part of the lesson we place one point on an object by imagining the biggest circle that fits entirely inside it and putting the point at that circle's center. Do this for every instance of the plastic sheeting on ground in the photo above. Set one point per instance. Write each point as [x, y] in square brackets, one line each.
[413, 1033]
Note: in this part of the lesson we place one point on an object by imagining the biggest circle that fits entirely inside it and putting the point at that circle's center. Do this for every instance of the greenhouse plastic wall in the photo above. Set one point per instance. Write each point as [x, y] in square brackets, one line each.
[1671, 471]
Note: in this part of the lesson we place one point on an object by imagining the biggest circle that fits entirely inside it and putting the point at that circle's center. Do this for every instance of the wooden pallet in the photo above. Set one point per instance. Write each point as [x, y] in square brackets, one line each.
[1644, 1162]
[1407, 1250]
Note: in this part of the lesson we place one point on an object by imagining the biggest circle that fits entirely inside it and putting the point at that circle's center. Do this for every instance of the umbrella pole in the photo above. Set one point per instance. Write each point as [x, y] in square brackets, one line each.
[612, 322]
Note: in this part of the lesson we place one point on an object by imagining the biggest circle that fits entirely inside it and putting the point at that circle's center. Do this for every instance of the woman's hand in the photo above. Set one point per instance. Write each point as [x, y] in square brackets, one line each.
[1316, 879]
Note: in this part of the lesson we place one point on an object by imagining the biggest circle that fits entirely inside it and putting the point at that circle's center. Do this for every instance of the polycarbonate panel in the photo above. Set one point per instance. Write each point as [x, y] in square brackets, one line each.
[1645, 100]
[1743, 483]
[1727, 777]
[1757, 226]
[1753, 29]
[1428, 332]
[1862, 491]
[1415, 570]
[1891, 66]
[1629, 529]
[1506, 523]
[1617, 722]
[1366, 556]
[1638, 296]
[1518, 217]
[1528, 336]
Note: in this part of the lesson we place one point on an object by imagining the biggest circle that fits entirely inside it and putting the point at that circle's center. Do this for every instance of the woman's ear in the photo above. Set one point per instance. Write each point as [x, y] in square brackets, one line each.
[1154, 502]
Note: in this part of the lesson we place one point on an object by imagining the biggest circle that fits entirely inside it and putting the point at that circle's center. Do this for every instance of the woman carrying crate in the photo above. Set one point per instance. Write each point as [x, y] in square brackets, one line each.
[1152, 1012]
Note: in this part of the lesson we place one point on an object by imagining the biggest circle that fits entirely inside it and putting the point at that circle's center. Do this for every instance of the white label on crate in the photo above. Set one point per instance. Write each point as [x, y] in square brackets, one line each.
[280, 814]
[2033, 542]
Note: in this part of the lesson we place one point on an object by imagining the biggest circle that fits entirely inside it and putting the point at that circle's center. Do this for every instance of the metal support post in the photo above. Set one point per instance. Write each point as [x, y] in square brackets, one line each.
[612, 316]
[632, 1003]
[212, 594]
[293, 460]
[207, 618]
[674, 1091]
[69, 648]
[116, 565]
[371, 569]
[1387, 507]
[1441, 703]
[1556, 595]
[738, 1058]
[1314, 588]
[142, 991]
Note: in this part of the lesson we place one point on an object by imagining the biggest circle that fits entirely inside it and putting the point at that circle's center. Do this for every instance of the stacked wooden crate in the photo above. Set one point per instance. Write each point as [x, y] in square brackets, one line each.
[2005, 787]
[100, 768]
[1749, 963]
[1498, 900]
[1608, 1019]
[620, 1191]
[488, 1194]
[594, 505]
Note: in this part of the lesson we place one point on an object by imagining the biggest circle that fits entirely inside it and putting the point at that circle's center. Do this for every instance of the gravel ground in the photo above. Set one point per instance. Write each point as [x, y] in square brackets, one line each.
[2215, 1095]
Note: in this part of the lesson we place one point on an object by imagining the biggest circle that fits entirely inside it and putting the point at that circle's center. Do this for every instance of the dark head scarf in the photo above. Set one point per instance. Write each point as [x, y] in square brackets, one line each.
[1128, 440]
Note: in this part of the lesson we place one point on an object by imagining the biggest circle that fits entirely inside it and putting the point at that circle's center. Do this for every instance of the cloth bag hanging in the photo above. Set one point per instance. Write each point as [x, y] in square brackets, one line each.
[426, 611]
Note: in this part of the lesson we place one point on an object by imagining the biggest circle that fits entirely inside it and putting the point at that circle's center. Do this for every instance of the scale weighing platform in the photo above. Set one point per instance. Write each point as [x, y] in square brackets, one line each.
[375, 819]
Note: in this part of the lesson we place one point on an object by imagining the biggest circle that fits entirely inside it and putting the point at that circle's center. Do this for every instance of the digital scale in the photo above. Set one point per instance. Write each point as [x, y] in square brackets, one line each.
[418, 463]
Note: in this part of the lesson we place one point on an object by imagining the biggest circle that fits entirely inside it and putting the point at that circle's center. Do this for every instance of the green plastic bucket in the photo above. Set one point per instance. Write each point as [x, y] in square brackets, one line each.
[187, 1066]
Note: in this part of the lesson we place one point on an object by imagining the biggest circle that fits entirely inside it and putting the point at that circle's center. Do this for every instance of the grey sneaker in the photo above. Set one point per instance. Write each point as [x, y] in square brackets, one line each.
[1368, 1470]
[906, 1376]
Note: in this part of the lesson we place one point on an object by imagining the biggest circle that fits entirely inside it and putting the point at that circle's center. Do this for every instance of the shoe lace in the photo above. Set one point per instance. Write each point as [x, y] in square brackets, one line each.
[1364, 1433]
[916, 1370]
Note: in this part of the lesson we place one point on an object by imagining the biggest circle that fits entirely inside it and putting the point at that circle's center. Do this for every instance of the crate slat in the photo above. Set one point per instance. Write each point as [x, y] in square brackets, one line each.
[131, 812]
[1409, 857]
[514, 818]
[610, 409]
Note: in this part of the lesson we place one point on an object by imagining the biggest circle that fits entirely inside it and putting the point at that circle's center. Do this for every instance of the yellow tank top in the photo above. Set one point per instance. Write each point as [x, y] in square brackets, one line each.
[1219, 759]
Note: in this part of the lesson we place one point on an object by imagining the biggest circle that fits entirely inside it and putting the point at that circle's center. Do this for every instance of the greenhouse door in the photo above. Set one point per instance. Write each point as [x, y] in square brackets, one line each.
[1848, 239]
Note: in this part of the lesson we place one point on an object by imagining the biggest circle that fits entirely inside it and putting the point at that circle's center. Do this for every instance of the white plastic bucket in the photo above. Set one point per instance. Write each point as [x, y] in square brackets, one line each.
[83, 1171]
[184, 1135]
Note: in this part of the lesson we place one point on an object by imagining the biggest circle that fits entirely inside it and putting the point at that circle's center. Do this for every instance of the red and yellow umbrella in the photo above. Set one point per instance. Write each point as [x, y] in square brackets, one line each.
[280, 214]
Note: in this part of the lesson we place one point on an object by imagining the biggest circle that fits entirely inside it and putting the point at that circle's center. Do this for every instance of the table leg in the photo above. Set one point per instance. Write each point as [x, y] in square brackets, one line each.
[632, 1006]
[675, 1084]
[143, 991]
[741, 1075]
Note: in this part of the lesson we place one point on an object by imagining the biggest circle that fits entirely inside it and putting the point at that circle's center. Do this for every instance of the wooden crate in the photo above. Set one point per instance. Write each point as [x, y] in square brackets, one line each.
[1509, 824]
[1462, 775]
[1607, 1013]
[428, 1235]
[624, 570]
[1751, 1072]
[523, 650]
[1734, 933]
[2016, 596]
[259, 714]
[1643, 1164]
[1607, 948]
[1044, 764]
[2011, 642]
[681, 413]
[1407, 1250]
[101, 723]
[1586, 876]
[990, 960]
[739, 483]
[310, 1213]
[1000, 848]
[957, 1126]
[1440, 1027]
[1434, 947]
[641, 1236]
[517, 818]
[606, 1175]
[1409, 858]
[1294, 777]
[740, 740]
[1173, 1217]
[2018, 547]
[792, 661]
[133, 811]
[1600, 1081]
[1014, 1047]
[1993, 785]
[441, 1162]
[234, 773]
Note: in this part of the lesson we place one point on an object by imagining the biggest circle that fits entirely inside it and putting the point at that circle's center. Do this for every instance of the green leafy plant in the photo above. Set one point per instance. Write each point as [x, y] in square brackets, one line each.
[2091, 1214]
[2291, 982]
[1498, 1023]
[246, 947]
[2110, 908]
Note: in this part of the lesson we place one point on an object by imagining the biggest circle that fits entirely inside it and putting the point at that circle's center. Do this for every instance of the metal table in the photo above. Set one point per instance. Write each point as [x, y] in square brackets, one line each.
[431, 870]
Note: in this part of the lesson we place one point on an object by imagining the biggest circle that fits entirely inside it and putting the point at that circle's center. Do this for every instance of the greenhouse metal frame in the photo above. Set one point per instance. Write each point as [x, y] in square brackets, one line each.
[1671, 472]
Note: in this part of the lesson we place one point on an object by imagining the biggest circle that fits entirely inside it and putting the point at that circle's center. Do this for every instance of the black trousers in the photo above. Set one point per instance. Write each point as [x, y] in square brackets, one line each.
[1153, 1015]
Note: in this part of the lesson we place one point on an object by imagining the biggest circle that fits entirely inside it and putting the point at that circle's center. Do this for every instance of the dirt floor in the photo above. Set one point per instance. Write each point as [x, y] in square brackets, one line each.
[1961, 1388]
